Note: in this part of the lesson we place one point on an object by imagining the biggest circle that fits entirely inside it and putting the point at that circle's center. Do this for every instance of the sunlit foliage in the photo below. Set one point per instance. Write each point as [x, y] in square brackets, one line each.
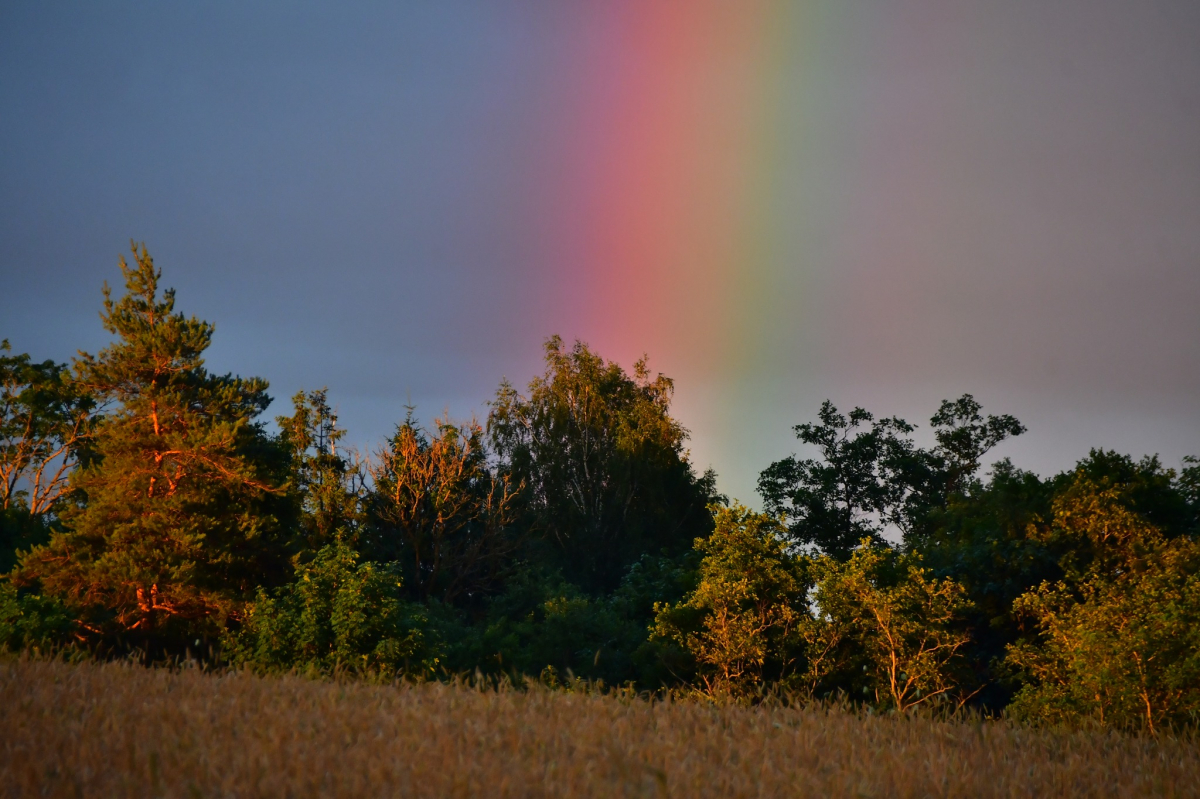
[743, 622]
[888, 631]
[438, 509]
[1119, 637]
[173, 522]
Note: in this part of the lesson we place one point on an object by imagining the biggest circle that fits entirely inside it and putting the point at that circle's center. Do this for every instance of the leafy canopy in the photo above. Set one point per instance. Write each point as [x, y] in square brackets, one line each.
[602, 463]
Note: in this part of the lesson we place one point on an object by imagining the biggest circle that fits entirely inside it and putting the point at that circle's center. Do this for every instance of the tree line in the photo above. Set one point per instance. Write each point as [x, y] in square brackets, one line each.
[148, 510]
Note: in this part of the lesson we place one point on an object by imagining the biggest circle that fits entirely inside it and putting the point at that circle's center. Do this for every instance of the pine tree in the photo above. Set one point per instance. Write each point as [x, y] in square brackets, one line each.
[177, 519]
[327, 484]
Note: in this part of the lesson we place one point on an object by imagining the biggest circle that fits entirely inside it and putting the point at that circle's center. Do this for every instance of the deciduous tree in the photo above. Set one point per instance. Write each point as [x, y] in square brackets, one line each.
[885, 628]
[1118, 639]
[439, 510]
[852, 491]
[742, 624]
[45, 418]
[340, 614]
[602, 463]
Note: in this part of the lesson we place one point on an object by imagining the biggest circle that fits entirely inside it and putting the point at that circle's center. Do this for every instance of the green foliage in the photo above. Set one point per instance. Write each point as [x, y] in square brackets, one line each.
[1119, 637]
[886, 630]
[20, 531]
[742, 623]
[33, 622]
[327, 485]
[45, 419]
[174, 521]
[340, 614]
[543, 624]
[602, 464]
[988, 541]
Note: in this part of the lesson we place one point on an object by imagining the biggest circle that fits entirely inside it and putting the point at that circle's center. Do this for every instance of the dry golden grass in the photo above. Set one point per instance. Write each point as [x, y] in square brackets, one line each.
[115, 730]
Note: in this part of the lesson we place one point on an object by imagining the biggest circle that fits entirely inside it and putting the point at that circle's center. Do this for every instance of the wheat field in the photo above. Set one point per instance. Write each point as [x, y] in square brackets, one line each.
[120, 730]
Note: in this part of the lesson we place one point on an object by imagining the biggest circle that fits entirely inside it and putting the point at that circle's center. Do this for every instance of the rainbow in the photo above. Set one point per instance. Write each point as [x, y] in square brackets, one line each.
[672, 166]
[670, 175]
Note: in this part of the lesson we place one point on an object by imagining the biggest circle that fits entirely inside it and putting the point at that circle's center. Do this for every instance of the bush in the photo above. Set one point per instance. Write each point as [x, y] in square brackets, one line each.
[340, 613]
[33, 622]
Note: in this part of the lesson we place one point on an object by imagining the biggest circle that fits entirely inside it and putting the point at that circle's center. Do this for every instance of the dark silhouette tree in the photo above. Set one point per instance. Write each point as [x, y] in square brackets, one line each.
[852, 491]
[602, 461]
[871, 476]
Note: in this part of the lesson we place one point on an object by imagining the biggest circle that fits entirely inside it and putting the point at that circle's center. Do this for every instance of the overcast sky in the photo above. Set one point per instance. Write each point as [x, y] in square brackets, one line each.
[996, 198]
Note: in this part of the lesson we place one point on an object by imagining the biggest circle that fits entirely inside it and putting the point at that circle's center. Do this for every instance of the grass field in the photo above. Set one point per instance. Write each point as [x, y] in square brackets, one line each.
[117, 730]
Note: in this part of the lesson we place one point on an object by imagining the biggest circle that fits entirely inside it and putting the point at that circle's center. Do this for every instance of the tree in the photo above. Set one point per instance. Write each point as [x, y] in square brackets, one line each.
[884, 627]
[328, 484]
[605, 475]
[1188, 486]
[437, 508]
[852, 492]
[1157, 494]
[1117, 639]
[964, 436]
[987, 540]
[45, 421]
[742, 623]
[871, 476]
[175, 520]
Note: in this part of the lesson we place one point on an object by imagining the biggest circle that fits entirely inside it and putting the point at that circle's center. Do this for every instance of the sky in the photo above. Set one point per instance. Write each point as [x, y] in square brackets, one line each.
[885, 204]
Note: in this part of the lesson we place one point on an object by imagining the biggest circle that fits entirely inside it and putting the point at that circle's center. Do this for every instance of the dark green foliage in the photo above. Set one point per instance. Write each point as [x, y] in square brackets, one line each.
[327, 484]
[984, 539]
[542, 622]
[30, 621]
[602, 465]
[20, 531]
[987, 540]
[340, 614]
